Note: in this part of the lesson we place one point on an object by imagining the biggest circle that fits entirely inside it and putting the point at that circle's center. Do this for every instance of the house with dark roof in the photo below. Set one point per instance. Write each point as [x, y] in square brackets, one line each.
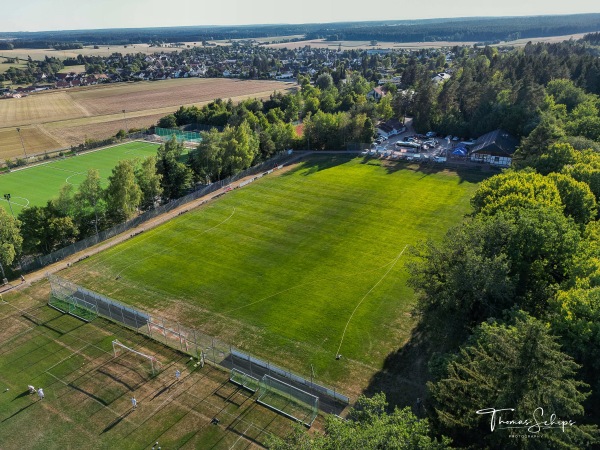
[496, 147]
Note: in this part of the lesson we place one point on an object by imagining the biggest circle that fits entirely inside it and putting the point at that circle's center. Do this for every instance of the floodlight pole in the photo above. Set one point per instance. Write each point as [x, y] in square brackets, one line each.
[126, 126]
[7, 197]
[22, 143]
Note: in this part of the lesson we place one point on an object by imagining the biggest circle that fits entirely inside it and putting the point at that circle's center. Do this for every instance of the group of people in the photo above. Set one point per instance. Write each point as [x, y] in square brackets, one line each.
[40, 391]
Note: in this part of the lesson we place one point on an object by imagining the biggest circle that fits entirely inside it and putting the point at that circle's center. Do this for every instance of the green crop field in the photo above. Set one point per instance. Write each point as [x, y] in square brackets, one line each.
[36, 185]
[88, 390]
[295, 267]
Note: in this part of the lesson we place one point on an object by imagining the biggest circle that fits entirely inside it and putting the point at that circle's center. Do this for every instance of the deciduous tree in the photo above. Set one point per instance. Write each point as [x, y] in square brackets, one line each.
[123, 195]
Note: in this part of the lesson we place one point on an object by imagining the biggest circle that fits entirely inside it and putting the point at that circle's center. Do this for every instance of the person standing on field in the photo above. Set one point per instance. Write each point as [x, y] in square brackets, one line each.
[41, 393]
[133, 403]
[177, 375]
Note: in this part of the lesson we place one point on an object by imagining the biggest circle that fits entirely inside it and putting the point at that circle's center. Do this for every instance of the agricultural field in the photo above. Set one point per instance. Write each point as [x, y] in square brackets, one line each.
[67, 117]
[366, 45]
[36, 185]
[35, 141]
[4, 66]
[88, 50]
[77, 69]
[88, 389]
[294, 268]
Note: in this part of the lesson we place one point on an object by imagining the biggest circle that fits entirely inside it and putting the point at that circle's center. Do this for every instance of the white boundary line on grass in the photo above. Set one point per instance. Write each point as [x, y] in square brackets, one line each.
[75, 174]
[16, 203]
[99, 149]
[365, 296]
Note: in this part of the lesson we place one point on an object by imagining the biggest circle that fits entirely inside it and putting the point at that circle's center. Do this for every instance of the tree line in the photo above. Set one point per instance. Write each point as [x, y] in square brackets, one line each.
[32, 71]
[461, 29]
[511, 295]
[465, 29]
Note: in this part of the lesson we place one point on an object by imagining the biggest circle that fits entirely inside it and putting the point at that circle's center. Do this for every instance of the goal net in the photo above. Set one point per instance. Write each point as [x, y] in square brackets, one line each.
[288, 400]
[148, 361]
[66, 298]
[244, 380]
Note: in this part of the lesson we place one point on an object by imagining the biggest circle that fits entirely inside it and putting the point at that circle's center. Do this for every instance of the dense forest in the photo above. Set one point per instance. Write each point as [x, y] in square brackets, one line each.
[456, 29]
[466, 29]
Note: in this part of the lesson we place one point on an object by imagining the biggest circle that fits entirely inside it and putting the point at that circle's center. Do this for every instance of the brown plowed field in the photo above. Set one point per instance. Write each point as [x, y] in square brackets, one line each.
[114, 98]
[35, 140]
[67, 117]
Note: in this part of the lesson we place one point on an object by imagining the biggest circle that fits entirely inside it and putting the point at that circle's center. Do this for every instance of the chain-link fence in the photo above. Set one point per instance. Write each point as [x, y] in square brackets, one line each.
[193, 342]
[181, 135]
[34, 263]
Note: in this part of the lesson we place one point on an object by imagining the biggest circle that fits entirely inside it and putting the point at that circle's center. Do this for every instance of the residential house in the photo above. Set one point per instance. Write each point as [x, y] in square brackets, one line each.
[376, 93]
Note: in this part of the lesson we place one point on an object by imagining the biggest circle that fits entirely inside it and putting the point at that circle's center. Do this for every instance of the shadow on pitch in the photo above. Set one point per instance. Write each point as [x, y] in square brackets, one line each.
[116, 422]
[19, 411]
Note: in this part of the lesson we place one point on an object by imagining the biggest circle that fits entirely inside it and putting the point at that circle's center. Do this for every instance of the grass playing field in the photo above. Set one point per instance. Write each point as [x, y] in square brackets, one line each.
[294, 268]
[38, 184]
[88, 391]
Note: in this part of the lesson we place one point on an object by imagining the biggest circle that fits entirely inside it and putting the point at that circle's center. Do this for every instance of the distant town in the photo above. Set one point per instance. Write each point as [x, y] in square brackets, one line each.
[239, 60]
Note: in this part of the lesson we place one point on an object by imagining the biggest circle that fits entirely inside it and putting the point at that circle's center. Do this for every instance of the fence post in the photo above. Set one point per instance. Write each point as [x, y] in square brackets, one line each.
[164, 327]
[122, 315]
[180, 338]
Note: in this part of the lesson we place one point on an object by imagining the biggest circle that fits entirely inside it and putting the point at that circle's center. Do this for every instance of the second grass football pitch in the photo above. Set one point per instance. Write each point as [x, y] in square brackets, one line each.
[88, 390]
[297, 267]
[34, 186]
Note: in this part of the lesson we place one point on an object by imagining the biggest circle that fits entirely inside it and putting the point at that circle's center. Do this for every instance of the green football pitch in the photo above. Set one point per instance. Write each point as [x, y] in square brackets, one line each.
[34, 186]
[296, 267]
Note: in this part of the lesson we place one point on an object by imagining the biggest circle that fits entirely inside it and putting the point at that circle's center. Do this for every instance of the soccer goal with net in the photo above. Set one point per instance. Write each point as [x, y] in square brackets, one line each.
[151, 361]
[288, 400]
[66, 298]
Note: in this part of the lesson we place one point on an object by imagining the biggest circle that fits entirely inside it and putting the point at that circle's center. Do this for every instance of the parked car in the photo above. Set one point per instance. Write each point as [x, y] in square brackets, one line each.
[430, 134]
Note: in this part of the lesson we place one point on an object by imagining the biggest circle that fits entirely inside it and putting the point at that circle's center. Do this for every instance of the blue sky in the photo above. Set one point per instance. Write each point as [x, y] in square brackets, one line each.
[36, 15]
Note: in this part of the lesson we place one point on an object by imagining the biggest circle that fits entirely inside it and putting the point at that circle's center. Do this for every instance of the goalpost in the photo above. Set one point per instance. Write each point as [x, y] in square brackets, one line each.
[119, 348]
